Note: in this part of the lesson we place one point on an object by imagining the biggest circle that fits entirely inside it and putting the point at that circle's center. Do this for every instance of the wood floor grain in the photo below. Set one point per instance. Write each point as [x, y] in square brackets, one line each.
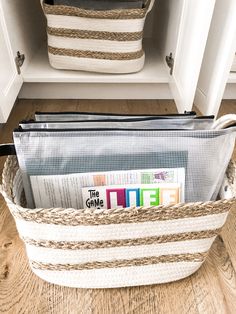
[210, 290]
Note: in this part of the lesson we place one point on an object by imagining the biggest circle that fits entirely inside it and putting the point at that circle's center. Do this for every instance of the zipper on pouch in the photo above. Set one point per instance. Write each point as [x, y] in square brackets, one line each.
[102, 120]
[181, 115]
[21, 130]
[32, 121]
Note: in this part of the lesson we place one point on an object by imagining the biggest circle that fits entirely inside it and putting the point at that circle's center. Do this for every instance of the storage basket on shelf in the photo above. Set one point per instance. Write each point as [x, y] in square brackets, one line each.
[107, 41]
[116, 248]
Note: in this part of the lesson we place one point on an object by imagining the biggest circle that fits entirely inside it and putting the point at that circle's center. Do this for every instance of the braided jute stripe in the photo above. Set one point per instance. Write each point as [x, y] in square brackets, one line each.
[8, 174]
[76, 217]
[83, 245]
[84, 34]
[117, 14]
[171, 258]
[96, 54]
[73, 217]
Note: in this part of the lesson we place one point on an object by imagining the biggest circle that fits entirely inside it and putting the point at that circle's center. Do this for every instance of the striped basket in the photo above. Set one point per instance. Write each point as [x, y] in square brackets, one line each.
[98, 41]
[116, 248]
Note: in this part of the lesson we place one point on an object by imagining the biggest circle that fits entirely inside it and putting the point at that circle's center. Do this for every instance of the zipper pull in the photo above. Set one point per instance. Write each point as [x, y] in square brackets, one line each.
[190, 113]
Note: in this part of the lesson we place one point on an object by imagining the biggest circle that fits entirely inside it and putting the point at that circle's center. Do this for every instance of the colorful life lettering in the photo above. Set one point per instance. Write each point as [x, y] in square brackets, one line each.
[120, 197]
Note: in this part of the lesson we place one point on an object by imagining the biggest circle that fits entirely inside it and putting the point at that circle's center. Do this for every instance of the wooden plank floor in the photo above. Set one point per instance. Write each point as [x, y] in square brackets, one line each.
[211, 290]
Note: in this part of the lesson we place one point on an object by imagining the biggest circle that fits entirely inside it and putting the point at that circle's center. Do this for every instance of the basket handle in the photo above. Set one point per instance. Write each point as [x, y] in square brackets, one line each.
[224, 121]
[151, 3]
[7, 149]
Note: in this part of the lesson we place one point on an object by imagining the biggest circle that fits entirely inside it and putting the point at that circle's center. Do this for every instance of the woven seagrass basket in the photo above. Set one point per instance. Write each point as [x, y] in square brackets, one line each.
[99, 41]
[120, 247]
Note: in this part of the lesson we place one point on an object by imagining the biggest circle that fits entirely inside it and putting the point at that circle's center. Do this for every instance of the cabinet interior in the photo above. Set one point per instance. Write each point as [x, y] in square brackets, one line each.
[27, 31]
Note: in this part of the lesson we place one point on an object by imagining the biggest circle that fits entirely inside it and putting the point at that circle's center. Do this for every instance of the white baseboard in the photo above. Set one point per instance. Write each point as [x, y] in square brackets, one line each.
[95, 91]
[202, 104]
[200, 101]
[230, 91]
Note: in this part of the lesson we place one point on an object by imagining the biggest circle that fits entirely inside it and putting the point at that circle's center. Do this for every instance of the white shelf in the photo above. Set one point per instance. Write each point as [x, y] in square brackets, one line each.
[232, 77]
[40, 71]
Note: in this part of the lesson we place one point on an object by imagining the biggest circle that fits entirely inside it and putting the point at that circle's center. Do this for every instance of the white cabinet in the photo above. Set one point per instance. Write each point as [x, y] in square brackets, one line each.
[215, 80]
[179, 27]
[10, 81]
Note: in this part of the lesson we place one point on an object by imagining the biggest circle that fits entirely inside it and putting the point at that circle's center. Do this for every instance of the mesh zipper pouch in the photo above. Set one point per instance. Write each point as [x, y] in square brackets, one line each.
[77, 116]
[134, 123]
[204, 154]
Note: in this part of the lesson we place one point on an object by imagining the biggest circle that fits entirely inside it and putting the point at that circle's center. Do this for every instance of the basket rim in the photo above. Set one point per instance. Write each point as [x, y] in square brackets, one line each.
[71, 216]
[120, 14]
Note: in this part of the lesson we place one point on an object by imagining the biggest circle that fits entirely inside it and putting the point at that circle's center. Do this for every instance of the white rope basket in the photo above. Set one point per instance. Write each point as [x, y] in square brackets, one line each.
[99, 41]
[119, 247]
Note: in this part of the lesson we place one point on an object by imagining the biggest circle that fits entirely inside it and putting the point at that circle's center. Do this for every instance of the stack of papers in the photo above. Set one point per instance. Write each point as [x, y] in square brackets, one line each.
[90, 190]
